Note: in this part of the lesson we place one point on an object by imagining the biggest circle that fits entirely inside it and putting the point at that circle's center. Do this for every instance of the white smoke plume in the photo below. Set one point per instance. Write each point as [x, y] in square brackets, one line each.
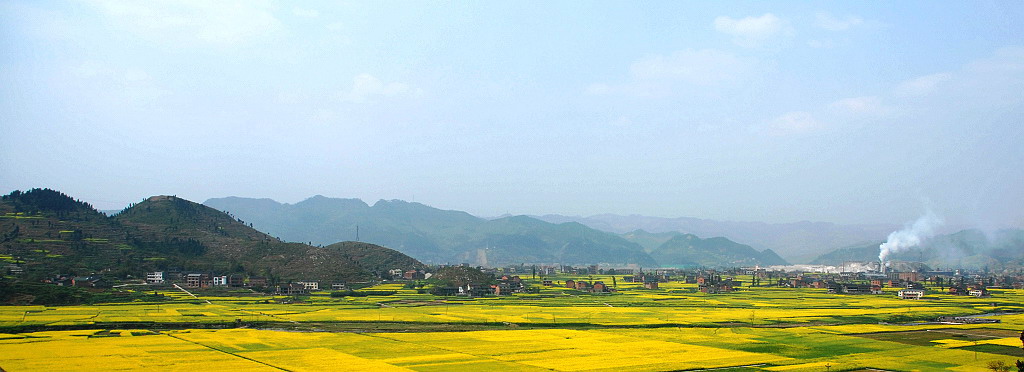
[911, 236]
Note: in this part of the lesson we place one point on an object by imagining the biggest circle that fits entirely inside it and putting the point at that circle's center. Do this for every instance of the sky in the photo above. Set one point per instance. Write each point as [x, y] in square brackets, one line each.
[774, 111]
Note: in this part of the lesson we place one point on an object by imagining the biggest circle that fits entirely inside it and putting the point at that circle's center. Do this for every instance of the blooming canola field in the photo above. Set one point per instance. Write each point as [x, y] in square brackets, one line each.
[672, 328]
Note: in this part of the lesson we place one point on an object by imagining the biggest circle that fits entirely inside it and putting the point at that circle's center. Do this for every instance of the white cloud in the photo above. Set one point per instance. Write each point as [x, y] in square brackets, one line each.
[820, 43]
[1008, 60]
[794, 122]
[335, 26]
[622, 121]
[751, 32]
[658, 75]
[365, 87]
[921, 85]
[289, 98]
[703, 67]
[322, 115]
[222, 22]
[307, 13]
[114, 85]
[869, 105]
[829, 22]
[598, 89]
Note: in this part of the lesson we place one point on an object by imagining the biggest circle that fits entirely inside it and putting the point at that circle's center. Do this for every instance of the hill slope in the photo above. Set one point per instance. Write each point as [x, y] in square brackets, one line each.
[49, 233]
[434, 235]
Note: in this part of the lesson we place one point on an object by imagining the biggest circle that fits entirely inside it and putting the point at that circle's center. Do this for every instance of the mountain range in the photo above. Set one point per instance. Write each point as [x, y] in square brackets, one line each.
[688, 250]
[44, 233]
[442, 236]
[972, 249]
[798, 242]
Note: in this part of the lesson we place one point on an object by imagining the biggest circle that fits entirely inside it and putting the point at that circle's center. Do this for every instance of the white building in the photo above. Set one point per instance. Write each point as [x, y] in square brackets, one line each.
[220, 280]
[156, 277]
[310, 286]
[911, 294]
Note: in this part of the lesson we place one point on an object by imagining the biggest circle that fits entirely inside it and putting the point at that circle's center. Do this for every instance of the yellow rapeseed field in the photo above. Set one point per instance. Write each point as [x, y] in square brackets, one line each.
[557, 329]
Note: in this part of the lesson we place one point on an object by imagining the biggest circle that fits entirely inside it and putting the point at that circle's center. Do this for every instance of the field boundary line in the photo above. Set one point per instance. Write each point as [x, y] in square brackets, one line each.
[190, 293]
[226, 352]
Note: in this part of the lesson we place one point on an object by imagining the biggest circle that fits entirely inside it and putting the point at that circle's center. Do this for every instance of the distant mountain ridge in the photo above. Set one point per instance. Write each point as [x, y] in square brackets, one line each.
[444, 236]
[687, 250]
[796, 242]
[434, 235]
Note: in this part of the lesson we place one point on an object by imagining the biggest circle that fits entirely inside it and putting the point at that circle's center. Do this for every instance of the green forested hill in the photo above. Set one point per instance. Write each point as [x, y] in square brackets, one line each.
[434, 235]
[44, 233]
[690, 250]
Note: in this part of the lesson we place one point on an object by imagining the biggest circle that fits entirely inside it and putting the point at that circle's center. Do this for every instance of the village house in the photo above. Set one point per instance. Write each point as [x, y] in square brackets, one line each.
[221, 280]
[911, 294]
[651, 285]
[958, 290]
[156, 277]
[851, 288]
[474, 290]
[310, 285]
[257, 282]
[912, 276]
[194, 280]
[979, 291]
[500, 289]
[599, 287]
[89, 282]
[292, 289]
[62, 280]
[570, 284]
[547, 283]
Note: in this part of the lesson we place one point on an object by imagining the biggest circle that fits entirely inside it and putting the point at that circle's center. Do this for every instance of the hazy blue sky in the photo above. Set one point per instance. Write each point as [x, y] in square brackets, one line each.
[855, 112]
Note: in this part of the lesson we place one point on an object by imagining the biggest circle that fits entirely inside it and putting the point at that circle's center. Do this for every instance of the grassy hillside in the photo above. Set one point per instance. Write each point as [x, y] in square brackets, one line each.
[45, 233]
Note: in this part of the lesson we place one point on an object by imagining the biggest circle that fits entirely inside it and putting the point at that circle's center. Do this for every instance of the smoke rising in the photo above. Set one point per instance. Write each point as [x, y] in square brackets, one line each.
[910, 236]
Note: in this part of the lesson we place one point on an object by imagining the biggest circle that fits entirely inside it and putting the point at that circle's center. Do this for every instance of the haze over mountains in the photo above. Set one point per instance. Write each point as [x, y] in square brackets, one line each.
[970, 248]
[797, 242]
[47, 233]
[439, 236]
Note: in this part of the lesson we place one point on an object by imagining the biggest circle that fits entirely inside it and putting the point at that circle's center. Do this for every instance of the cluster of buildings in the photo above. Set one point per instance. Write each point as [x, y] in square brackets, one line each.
[505, 285]
[91, 281]
[203, 280]
[509, 280]
[210, 280]
[582, 285]
[910, 282]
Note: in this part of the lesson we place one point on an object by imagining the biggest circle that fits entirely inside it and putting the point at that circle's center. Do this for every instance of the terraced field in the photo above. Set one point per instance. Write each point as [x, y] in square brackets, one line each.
[673, 328]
